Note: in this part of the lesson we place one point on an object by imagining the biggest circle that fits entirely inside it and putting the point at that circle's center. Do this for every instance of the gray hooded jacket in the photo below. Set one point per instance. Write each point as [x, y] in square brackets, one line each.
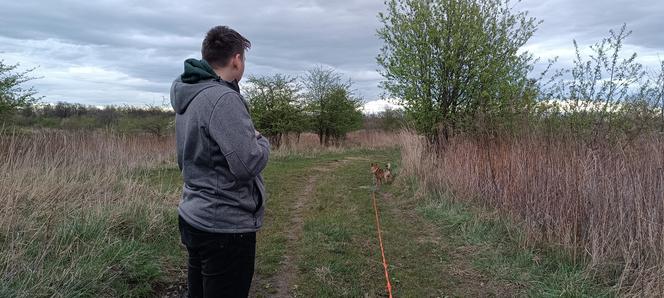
[219, 156]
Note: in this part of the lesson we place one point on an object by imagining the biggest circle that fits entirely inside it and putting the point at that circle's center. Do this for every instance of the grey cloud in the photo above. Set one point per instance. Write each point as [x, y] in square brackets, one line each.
[589, 21]
[148, 40]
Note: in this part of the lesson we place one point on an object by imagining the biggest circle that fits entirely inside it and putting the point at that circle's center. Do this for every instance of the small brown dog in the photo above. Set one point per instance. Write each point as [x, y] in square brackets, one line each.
[379, 174]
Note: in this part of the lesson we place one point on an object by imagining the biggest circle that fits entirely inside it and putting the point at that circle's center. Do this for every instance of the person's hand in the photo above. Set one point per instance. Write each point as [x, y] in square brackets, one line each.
[258, 134]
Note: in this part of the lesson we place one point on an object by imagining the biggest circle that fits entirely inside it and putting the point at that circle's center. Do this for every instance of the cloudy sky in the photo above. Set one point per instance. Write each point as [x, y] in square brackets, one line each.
[127, 52]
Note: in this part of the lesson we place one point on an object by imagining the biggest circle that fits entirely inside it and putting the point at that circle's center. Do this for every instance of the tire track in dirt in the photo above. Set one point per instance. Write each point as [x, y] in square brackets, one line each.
[420, 232]
[461, 278]
[283, 281]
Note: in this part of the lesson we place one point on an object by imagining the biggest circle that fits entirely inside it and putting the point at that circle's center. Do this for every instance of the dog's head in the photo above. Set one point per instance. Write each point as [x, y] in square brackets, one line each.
[374, 167]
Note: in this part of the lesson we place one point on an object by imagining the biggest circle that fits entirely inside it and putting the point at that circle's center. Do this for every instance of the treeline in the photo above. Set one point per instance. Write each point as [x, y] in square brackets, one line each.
[123, 119]
[390, 120]
[270, 117]
[321, 101]
[20, 107]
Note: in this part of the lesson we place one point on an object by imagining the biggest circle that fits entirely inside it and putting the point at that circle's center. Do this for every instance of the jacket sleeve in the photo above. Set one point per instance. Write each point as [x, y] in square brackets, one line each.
[231, 128]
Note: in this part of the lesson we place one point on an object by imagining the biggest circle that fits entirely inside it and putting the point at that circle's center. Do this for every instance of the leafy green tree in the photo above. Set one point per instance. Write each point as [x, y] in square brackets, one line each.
[330, 103]
[456, 64]
[276, 108]
[340, 115]
[607, 94]
[13, 95]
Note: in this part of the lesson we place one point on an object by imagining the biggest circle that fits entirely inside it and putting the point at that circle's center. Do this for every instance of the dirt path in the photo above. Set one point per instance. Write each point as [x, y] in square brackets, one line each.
[321, 239]
[416, 249]
[281, 284]
[413, 245]
[284, 280]
[453, 277]
[421, 262]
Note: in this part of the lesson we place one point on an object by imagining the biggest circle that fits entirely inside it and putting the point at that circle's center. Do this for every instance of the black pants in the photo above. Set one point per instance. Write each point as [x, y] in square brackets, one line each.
[220, 265]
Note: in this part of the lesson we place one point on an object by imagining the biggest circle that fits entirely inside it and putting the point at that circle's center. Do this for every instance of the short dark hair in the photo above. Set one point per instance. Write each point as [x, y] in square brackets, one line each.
[221, 43]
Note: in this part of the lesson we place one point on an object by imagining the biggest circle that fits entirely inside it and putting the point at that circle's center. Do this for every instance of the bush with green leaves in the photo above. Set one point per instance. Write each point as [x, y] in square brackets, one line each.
[387, 120]
[606, 93]
[13, 93]
[331, 105]
[456, 65]
[340, 114]
[276, 106]
[157, 125]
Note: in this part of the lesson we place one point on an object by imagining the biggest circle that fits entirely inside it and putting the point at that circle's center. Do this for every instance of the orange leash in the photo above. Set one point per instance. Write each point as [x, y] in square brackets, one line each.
[380, 240]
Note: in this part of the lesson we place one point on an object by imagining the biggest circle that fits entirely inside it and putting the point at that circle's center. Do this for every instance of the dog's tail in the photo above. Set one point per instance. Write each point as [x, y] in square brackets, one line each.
[388, 166]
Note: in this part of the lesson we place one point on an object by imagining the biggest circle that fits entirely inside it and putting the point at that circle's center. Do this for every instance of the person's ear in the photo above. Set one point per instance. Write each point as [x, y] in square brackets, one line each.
[237, 60]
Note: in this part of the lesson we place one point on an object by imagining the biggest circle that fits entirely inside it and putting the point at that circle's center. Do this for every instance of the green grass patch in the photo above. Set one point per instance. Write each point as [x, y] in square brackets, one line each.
[339, 253]
[495, 251]
[434, 247]
[284, 177]
[111, 250]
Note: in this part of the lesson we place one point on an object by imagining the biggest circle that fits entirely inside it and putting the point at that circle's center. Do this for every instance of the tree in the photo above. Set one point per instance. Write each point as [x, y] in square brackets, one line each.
[456, 63]
[276, 108]
[657, 93]
[387, 120]
[340, 115]
[391, 119]
[333, 109]
[157, 125]
[606, 90]
[12, 93]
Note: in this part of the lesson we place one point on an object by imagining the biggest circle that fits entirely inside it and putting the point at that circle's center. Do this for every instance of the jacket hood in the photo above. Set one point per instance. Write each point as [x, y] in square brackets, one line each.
[188, 85]
[197, 70]
[182, 94]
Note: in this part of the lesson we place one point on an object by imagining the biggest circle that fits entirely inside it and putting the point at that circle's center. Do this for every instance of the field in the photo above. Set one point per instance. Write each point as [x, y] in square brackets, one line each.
[526, 165]
[602, 205]
[94, 215]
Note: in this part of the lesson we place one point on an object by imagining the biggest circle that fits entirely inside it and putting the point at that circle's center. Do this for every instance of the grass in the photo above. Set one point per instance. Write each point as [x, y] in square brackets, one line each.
[76, 223]
[337, 248]
[493, 247]
[434, 247]
[600, 202]
[286, 177]
[110, 228]
[113, 250]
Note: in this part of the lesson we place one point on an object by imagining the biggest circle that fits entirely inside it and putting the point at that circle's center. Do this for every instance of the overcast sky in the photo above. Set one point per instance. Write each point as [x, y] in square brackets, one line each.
[128, 52]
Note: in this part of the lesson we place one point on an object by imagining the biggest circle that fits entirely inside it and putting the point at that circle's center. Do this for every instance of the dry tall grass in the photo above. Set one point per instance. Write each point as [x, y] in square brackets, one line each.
[605, 205]
[46, 169]
[67, 196]
[80, 214]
